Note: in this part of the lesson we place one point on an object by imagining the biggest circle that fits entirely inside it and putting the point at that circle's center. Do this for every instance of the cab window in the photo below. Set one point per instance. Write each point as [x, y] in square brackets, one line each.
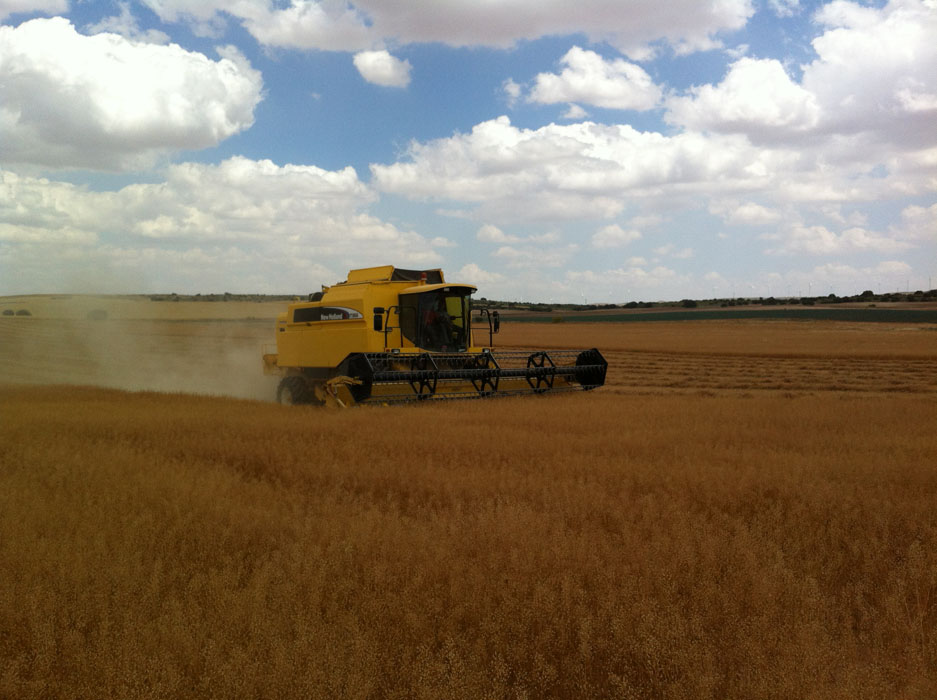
[436, 320]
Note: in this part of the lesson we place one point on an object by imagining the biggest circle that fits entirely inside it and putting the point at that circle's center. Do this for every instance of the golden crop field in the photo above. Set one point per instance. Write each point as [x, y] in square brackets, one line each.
[746, 509]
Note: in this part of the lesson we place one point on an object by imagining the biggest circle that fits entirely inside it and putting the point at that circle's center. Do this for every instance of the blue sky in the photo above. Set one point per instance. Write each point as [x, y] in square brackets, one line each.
[601, 150]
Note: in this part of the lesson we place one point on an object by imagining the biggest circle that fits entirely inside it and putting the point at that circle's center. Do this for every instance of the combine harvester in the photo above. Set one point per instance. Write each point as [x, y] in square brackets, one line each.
[390, 335]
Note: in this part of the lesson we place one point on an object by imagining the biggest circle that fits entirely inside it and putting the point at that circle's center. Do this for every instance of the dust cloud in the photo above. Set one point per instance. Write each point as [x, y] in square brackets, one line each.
[215, 357]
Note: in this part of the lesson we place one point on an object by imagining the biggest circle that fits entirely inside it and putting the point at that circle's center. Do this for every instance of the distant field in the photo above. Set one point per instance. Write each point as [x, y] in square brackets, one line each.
[745, 510]
[779, 338]
[223, 357]
[77, 307]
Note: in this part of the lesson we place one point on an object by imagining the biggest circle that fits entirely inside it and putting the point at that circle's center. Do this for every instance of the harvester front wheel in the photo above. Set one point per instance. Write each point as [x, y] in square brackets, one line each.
[294, 390]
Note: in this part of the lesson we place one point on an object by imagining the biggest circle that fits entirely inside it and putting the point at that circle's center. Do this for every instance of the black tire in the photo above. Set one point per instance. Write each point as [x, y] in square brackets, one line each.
[593, 375]
[293, 391]
[357, 367]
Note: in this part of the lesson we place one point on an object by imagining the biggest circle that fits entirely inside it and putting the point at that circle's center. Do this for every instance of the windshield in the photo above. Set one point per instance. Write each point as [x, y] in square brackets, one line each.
[436, 320]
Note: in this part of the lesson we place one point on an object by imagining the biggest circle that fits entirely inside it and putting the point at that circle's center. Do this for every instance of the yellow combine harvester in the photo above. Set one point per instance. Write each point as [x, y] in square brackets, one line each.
[387, 335]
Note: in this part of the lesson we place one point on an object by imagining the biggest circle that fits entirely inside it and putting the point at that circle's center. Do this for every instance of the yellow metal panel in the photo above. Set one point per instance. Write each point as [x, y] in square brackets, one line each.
[339, 295]
[324, 344]
[327, 343]
[371, 274]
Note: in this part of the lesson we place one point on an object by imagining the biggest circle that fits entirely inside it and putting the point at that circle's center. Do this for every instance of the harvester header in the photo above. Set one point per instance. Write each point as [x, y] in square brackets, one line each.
[388, 334]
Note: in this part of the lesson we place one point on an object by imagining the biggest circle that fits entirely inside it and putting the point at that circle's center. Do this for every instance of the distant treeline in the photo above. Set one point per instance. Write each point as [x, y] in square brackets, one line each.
[868, 297]
[225, 296]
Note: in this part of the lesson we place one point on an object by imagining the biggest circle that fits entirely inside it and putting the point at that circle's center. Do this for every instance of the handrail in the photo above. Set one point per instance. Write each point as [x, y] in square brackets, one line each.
[493, 323]
[387, 327]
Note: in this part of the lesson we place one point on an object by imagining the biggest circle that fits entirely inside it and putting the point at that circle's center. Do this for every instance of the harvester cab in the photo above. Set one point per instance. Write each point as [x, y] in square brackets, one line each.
[387, 335]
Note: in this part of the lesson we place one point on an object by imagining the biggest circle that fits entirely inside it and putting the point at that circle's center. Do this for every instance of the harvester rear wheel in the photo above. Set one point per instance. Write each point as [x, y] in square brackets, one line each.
[294, 390]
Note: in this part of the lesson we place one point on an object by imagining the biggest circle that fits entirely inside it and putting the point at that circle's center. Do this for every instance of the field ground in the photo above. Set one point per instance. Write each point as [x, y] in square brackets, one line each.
[925, 312]
[745, 510]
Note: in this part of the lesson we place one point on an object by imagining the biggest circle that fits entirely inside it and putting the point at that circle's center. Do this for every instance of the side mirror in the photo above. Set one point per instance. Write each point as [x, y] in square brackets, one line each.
[378, 318]
[496, 318]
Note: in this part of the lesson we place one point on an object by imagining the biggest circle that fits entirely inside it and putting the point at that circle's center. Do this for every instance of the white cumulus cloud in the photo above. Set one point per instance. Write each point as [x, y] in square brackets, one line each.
[784, 8]
[51, 7]
[380, 68]
[876, 65]
[327, 25]
[492, 234]
[535, 256]
[872, 86]
[757, 97]
[512, 91]
[103, 101]
[572, 171]
[473, 274]
[588, 78]
[917, 224]
[743, 213]
[336, 25]
[575, 113]
[670, 250]
[284, 219]
[636, 279]
[126, 24]
[819, 240]
[614, 236]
